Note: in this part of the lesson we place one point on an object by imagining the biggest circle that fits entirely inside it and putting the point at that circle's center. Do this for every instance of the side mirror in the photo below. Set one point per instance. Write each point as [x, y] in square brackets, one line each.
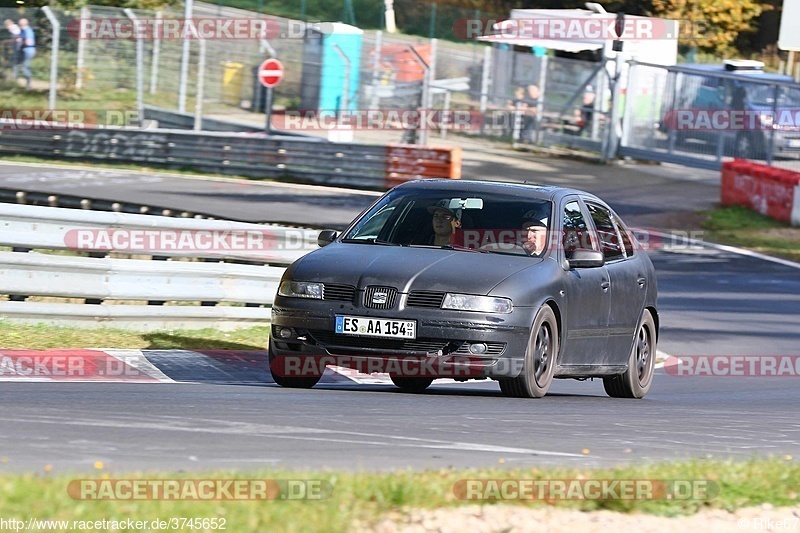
[586, 259]
[326, 237]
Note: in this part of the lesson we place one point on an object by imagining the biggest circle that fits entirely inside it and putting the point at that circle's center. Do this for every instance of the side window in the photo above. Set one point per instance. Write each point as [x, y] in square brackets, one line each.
[607, 233]
[627, 239]
[576, 232]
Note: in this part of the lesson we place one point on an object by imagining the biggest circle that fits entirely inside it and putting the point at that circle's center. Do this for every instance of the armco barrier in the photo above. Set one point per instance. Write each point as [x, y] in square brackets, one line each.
[771, 191]
[255, 155]
[135, 278]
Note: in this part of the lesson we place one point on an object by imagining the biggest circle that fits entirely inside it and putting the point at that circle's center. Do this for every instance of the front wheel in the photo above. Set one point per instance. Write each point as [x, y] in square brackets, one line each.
[412, 384]
[636, 381]
[277, 367]
[539, 365]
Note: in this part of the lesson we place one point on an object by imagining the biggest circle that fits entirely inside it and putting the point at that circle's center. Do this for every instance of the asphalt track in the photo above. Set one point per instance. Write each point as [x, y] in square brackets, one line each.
[712, 302]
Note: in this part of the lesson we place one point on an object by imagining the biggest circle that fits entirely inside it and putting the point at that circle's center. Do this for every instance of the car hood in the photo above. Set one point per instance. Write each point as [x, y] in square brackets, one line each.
[409, 269]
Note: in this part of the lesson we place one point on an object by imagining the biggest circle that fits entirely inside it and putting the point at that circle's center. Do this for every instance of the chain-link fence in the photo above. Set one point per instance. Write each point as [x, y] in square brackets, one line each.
[508, 93]
[698, 115]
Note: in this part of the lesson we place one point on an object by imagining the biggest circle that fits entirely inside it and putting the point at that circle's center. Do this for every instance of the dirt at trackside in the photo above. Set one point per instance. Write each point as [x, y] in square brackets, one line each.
[510, 518]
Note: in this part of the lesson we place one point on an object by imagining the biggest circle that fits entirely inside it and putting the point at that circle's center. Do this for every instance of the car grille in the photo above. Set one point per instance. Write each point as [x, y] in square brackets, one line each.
[425, 299]
[344, 293]
[403, 345]
[379, 297]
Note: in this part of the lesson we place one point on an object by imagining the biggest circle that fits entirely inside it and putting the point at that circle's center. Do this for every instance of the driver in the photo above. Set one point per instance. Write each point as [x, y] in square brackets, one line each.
[445, 222]
[534, 236]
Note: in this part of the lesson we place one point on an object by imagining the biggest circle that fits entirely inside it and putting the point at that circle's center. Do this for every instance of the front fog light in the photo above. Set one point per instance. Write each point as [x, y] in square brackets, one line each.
[478, 348]
[285, 333]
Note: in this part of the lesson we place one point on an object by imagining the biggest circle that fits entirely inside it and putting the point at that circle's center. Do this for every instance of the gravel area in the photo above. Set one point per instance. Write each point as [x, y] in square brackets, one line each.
[511, 518]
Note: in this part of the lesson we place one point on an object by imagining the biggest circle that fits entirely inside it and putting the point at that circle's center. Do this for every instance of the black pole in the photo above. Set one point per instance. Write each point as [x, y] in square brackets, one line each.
[268, 110]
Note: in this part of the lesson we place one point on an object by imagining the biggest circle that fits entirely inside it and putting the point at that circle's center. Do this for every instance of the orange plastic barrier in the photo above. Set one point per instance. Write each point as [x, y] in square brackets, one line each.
[405, 162]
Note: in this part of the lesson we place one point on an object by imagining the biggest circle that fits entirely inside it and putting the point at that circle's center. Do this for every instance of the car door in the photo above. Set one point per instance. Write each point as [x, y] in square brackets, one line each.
[628, 280]
[587, 293]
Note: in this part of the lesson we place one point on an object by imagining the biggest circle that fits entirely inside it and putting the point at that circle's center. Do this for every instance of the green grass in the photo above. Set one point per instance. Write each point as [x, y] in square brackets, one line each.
[39, 337]
[740, 226]
[366, 497]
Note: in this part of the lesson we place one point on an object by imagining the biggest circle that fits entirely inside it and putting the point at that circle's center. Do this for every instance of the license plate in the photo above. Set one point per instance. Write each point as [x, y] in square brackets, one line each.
[376, 327]
[794, 143]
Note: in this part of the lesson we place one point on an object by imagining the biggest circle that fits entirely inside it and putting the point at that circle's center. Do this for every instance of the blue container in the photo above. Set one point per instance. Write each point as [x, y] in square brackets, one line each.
[325, 78]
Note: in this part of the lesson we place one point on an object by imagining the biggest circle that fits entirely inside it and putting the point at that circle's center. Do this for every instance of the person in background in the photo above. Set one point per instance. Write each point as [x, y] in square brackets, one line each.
[28, 46]
[15, 45]
[586, 111]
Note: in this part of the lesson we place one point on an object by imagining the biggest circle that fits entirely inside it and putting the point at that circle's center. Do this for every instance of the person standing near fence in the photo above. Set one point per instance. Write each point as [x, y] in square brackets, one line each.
[28, 49]
[16, 45]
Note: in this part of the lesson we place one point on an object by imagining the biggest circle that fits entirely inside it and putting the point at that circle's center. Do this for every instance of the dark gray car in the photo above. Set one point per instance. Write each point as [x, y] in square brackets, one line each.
[459, 279]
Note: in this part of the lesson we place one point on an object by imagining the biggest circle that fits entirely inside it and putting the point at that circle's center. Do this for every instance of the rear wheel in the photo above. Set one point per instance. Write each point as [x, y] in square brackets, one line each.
[636, 381]
[412, 384]
[277, 369]
[539, 365]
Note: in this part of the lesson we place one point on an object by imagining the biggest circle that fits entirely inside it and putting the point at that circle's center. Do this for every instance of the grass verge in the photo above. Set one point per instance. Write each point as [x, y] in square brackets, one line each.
[364, 498]
[739, 226]
[42, 336]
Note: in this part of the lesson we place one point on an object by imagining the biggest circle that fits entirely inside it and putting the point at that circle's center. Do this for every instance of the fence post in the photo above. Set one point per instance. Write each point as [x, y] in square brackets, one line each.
[376, 66]
[53, 54]
[154, 61]
[630, 102]
[485, 77]
[613, 134]
[184, 61]
[201, 74]
[540, 104]
[85, 14]
[139, 68]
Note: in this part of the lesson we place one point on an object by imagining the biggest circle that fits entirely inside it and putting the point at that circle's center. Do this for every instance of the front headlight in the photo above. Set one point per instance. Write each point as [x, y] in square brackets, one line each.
[301, 289]
[481, 304]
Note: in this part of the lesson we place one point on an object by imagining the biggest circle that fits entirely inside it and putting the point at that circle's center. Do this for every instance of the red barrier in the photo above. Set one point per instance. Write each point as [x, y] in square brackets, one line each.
[771, 191]
[406, 162]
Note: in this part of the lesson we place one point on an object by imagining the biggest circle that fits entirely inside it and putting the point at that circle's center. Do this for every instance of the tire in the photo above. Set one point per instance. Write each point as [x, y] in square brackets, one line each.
[541, 357]
[636, 381]
[290, 382]
[412, 384]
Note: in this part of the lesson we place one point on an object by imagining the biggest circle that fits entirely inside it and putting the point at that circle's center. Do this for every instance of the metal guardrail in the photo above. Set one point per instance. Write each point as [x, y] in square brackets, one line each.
[56, 277]
[255, 155]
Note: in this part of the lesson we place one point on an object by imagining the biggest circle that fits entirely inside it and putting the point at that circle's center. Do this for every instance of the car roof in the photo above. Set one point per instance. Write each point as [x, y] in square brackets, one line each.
[710, 68]
[550, 192]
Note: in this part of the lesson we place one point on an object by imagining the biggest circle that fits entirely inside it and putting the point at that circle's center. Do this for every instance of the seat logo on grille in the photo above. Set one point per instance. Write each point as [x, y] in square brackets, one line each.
[379, 298]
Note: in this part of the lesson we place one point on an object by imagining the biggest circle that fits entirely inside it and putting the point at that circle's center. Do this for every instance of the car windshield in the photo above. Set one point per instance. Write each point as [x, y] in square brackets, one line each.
[764, 95]
[486, 222]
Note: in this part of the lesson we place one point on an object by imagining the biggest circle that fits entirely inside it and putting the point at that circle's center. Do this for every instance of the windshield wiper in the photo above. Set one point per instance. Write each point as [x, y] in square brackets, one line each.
[371, 241]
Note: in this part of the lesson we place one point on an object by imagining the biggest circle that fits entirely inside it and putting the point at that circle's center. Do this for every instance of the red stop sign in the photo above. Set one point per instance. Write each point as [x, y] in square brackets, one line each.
[270, 72]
